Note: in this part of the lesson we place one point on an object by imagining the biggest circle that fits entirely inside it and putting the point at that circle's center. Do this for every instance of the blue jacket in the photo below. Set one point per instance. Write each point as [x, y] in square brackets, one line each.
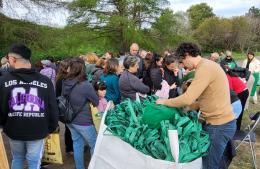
[112, 84]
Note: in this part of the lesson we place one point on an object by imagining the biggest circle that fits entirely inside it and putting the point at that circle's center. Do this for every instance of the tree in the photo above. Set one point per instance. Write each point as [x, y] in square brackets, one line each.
[198, 13]
[215, 33]
[254, 12]
[119, 20]
[169, 29]
[218, 33]
[241, 32]
[253, 17]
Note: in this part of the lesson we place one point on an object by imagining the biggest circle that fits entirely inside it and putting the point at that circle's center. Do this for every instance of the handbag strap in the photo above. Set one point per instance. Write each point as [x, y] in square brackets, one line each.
[81, 107]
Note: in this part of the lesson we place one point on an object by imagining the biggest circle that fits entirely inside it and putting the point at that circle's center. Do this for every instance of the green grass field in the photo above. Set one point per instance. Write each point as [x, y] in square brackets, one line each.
[243, 159]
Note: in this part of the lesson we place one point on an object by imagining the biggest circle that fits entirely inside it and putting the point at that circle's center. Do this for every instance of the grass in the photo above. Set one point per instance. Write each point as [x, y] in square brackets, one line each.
[236, 55]
[243, 159]
[242, 56]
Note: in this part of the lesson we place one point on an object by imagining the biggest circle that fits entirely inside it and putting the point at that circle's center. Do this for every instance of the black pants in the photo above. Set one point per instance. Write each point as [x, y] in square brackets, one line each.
[243, 98]
[68, 140]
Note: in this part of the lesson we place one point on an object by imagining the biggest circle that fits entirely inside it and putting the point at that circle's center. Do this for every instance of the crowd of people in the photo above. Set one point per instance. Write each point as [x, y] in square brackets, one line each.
[219, 88]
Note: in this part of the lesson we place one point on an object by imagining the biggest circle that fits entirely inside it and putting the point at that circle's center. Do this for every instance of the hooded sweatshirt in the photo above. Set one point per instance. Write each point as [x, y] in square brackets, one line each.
[82, 94]
[28, 107]
[50, 73]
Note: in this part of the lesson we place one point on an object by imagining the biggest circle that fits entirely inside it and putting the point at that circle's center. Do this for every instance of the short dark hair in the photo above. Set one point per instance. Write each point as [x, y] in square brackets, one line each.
[130, 61]
[156, 57]
[100, 85]
[111, 66]
[22, 50]
[187, 48]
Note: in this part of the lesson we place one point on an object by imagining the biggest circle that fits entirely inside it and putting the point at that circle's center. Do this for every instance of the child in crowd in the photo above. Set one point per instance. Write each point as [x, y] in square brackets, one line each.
[100, 88]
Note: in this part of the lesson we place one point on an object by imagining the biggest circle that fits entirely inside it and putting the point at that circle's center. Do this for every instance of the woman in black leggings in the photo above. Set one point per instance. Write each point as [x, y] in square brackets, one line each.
[236, 84]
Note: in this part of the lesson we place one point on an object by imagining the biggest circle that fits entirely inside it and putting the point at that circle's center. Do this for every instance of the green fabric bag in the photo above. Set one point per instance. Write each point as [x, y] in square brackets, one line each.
[256, 77]
[154, 114]
[145, 125]
[189, 76]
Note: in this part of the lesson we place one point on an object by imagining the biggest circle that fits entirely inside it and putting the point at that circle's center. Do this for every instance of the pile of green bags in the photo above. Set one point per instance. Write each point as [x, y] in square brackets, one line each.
[145, 126]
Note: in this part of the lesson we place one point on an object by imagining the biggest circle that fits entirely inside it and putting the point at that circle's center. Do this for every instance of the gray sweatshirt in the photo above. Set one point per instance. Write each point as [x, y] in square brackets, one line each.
[129, 85]
[82, 93]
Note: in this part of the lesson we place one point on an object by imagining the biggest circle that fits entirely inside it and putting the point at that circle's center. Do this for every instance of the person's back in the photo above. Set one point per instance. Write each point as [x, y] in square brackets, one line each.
[112, 83]
[82, 93]
[214, 101]
[236, 84]
[26, 97]
[96, 74]
[111, 79]
[50, 73]
[28, 108]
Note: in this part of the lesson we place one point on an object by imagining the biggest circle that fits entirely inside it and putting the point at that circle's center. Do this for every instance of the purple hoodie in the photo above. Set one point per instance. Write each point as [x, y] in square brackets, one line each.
[50, 73]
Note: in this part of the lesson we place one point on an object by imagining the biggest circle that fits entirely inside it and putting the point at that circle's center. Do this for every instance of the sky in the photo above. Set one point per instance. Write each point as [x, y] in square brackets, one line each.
[58, 17]
[222, 8]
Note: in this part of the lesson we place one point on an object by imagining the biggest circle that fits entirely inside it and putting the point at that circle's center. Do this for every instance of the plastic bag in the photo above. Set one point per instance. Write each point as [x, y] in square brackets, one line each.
[3, 158]
[52, 150]
[164, 92]
[96, 117]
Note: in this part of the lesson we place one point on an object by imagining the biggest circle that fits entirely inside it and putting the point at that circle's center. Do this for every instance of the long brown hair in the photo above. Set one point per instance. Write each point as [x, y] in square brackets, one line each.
[111, 66]
[62, 71]
[77, 70]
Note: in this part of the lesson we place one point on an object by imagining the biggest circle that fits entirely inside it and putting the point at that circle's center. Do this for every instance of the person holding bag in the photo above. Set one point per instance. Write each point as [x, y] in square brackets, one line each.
[81, 94]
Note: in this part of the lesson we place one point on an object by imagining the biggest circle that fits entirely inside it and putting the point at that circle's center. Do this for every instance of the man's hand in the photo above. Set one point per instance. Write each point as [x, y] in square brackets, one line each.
[160, 101]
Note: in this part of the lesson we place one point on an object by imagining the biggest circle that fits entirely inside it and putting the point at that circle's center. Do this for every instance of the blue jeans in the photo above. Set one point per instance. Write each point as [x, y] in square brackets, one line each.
[32, 151]
[219, 137]
[82, 135]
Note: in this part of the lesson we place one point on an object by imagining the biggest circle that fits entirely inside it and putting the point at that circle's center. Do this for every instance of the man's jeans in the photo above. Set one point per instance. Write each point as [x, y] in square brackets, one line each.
[219, 137]
[31, 151]
[82, 135]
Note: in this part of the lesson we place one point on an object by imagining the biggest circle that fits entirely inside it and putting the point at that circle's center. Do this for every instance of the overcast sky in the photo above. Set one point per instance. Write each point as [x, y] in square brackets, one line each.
[223, 8]
[57, 17]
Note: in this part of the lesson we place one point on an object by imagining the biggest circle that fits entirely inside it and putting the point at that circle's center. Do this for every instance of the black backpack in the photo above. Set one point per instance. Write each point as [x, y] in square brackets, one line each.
[66, 111]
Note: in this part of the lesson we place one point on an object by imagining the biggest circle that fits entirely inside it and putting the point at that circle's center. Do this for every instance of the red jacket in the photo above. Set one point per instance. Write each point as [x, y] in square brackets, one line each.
[236, 84]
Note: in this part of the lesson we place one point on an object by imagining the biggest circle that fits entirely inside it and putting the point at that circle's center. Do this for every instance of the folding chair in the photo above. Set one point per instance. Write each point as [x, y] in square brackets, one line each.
[249, 135]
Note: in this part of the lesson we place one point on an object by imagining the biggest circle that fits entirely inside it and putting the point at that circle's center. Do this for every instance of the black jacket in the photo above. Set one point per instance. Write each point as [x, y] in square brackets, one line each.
[59, 86]
[96, 74]
[28, 107]
[153, 79]
[170, 79]
[4, 71]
